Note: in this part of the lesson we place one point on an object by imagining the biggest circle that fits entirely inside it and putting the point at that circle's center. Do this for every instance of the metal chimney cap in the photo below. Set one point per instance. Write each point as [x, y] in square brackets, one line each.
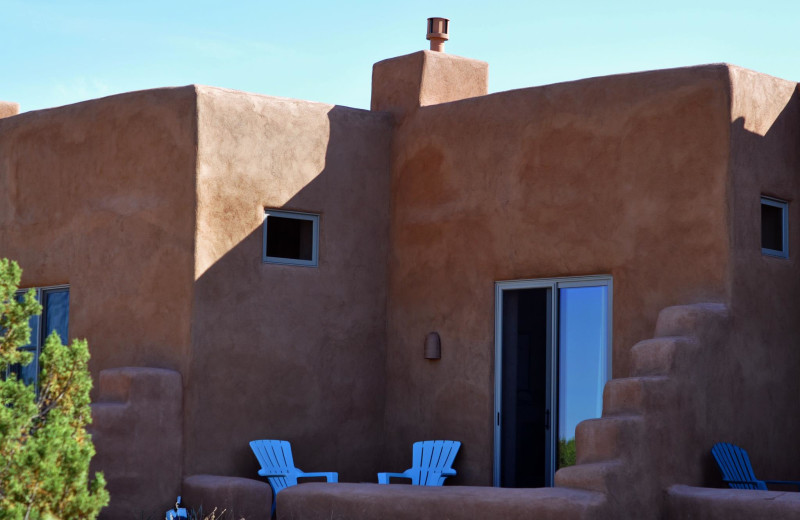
[438, 32]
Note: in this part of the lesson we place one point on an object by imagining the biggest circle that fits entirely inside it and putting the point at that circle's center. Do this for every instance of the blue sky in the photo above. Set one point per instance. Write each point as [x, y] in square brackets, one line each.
[59, 52]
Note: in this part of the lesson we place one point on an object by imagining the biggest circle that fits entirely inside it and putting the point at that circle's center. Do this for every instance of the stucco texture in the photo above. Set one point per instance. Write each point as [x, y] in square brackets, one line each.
[764, 349]
[401, 85]
[320, 501]
[279, 351]
[623, 175]
[100, 195]
[741, 384]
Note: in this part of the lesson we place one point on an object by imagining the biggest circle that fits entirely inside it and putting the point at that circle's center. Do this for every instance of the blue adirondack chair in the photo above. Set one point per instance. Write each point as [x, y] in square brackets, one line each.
[433, 462]
[277, 465]
[736, 470]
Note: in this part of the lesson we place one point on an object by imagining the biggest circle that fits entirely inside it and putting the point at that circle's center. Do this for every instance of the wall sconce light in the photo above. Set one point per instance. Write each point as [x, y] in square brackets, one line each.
[433, 346]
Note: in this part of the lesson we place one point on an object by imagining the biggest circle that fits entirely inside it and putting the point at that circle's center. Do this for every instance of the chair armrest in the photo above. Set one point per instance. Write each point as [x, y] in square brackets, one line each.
[448, 473]
[330, 476]
[383, 478]
[265, 473]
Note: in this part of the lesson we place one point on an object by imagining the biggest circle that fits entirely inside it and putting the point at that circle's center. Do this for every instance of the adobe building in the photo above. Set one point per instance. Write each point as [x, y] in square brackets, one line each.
[611, 260]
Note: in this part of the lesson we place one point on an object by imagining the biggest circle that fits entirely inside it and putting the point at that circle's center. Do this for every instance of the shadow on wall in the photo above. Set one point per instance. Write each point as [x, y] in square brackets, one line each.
[742, 387]
[752, 392]
[739, 384]
[293, 352]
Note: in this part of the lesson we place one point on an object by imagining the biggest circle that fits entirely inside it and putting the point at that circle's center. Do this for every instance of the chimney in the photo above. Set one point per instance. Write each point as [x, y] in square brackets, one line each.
[438, 33]
[403, 84]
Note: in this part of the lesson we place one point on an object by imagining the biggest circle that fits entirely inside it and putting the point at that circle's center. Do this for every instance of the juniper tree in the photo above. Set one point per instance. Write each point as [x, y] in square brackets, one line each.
[44, 447]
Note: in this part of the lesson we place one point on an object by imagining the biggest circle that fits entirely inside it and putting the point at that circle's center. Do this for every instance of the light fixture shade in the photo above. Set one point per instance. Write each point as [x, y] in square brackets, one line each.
[433, 346]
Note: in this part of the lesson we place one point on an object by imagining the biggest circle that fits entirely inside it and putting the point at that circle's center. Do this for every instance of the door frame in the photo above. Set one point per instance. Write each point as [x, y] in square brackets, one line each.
[540, 283]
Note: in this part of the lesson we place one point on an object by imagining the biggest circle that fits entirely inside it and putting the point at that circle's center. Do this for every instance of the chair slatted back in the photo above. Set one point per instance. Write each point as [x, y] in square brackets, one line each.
[275, 457]
[735, 465]
[431, 458]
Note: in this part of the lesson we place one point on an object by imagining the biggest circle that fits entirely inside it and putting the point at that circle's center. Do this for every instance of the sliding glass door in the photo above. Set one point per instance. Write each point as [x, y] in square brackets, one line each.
[552, 359]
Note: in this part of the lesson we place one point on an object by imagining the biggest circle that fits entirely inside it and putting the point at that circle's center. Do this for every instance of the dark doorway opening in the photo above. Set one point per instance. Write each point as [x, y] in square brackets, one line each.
[526, 446]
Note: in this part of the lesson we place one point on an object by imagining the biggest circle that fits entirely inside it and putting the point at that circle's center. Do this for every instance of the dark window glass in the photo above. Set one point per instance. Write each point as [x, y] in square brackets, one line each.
[772, 227]
[290, 238]
[56, 312]
[28, 373]
[33, 323]
[55, 316]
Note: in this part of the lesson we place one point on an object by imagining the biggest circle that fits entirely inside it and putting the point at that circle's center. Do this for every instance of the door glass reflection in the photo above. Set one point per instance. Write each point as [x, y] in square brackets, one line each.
[582, 362]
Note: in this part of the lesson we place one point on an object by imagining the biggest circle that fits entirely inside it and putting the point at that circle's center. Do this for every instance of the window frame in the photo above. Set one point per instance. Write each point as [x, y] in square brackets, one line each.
[783, 205]
[297, 215]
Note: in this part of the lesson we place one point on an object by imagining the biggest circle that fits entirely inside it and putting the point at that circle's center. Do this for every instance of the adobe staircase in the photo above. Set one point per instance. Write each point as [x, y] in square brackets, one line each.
[626, 453]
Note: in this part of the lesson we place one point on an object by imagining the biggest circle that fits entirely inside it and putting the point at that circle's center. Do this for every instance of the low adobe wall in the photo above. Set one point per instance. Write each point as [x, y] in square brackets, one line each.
[686, 502]
[323, 501]
[137, 432]
[228, 498]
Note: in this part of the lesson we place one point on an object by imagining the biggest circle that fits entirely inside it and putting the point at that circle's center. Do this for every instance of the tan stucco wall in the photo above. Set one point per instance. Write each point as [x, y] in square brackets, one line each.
[100, 195]
[742, 385]
[288, 352]
[764, 349]
[623, 175]
[137, 432]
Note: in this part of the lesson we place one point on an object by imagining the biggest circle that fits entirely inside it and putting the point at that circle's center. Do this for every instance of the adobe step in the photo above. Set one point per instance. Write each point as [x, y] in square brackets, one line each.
[110, 418]
[658, 356]
[635, 395]
[606, 438]
[686, 320]
[599, 476]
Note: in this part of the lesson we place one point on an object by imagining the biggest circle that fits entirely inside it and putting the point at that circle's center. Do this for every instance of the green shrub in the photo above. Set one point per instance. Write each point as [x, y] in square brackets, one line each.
[44, 447]
[566, 452]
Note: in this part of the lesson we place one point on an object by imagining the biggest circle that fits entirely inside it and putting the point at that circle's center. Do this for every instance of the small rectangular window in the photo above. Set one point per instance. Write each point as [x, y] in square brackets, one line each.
[291, 238]
[774, 227]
